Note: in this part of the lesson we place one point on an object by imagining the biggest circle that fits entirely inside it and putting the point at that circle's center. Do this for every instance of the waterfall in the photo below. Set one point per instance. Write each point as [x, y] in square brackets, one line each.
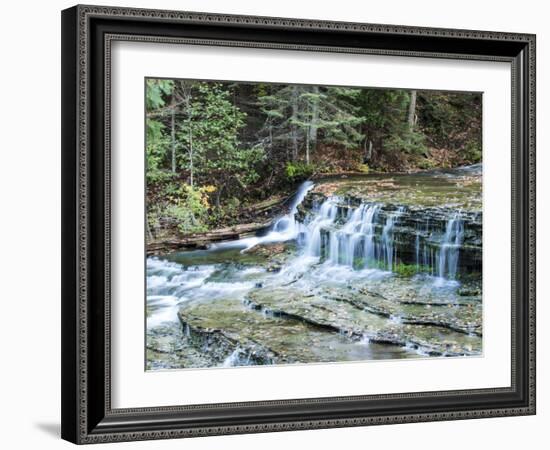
[450, 247]
[387, 238]
[357, 242]
[285, 228]
[324, 218]
[422, 252]
[417, 249]
[353, 243]
[368, 228]
[362, 237]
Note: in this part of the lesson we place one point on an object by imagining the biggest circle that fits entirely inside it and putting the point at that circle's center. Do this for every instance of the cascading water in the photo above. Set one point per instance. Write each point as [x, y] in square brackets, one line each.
[366, 238]
[362, 241]
[324, 218]
[353, 245]
[387, 243]
[450, 248]
[368, 229]
[237, 358]
[287, 225]
[285, 228]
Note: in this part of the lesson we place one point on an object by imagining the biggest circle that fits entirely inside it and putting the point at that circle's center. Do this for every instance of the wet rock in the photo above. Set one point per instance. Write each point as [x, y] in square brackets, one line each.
[370, 317]
[417, 234]
[269, 250]
[228, 332]
[469, 291]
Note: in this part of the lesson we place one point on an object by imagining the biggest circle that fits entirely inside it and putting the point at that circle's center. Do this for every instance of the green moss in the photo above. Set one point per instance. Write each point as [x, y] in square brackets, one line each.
[408, 270]
[416, 190]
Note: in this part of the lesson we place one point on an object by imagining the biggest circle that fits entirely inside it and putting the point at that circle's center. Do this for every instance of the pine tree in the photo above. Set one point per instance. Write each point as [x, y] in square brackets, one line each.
[218, 156]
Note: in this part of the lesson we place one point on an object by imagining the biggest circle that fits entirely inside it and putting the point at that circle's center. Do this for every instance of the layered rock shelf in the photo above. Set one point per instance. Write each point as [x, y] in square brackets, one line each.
[417, 233]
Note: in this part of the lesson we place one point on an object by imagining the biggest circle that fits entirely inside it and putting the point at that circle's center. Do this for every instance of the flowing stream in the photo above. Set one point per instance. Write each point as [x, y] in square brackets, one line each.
[340, 277]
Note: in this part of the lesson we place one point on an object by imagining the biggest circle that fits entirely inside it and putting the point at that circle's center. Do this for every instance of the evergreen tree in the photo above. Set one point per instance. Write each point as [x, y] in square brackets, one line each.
[297, 115]
[157, 143]
[218, 157]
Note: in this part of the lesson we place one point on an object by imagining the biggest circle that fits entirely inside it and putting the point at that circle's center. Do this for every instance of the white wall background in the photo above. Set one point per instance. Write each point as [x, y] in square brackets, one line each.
[30, 222]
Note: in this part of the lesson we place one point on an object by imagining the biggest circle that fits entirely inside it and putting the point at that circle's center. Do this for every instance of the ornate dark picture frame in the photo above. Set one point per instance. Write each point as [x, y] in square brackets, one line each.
[87, 34]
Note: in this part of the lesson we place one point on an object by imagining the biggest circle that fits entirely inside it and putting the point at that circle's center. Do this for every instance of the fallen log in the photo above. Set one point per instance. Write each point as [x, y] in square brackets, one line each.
[202, 240]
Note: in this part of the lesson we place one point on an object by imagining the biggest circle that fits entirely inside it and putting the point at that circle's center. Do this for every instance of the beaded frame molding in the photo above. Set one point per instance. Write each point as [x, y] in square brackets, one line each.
[87, 35]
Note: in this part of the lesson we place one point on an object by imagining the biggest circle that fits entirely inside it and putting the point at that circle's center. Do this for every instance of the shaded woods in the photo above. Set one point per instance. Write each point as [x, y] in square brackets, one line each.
[221, 154]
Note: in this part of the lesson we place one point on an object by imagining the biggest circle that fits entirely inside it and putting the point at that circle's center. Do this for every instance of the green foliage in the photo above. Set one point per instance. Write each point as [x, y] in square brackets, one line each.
[386, 126]
[212, 148]
[400, 269]
[383, 110]
[299, 116]
[156, 93]
[341, 118]
[156, 151]
[452, 121]
[472, 152]
[218, 156]
[409, 142]
[153, 220]
[426, 164]
[157, 142]
[408, 270]
[188, 207]
[226, 214]
[364, 168]
[298, 171]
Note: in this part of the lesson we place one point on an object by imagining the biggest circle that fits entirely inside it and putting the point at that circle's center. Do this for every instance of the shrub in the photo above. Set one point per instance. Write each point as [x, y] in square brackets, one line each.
[297, 170]
[364, 168]
[472, 152]
[189, 207]
[410, 142]
[426, 164]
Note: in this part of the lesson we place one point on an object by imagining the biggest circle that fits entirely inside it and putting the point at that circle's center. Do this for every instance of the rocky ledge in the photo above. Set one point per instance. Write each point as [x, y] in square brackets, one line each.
[417, 233]
[287, 325]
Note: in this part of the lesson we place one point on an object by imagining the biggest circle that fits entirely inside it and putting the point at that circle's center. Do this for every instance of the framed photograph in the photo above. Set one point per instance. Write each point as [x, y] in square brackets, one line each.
[279, 224]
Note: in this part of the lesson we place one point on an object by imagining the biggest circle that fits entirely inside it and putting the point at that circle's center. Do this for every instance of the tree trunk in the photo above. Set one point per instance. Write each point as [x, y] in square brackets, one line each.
[219, 195]
[412, 111]
[190, 138]
[201, 240]
[367, 151]
[314, 120]
[293, 119]
[173, 132]
[307, 148]
[370, 149]
[190, 151]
